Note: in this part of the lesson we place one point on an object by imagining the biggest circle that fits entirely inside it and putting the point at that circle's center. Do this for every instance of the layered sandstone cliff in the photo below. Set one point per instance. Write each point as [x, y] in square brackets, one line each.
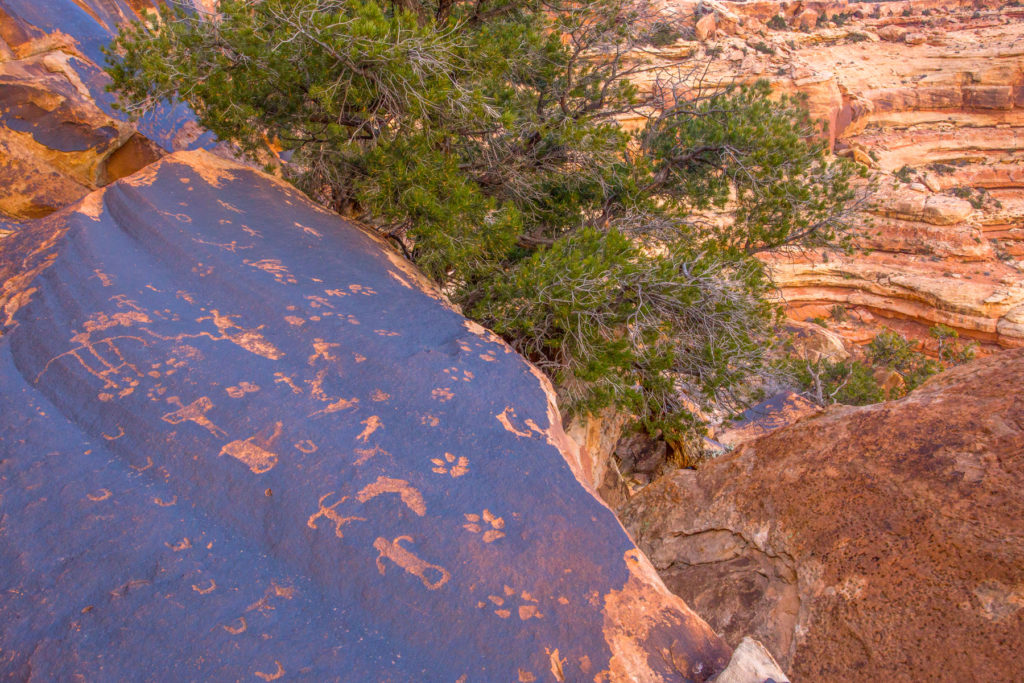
[930, 97]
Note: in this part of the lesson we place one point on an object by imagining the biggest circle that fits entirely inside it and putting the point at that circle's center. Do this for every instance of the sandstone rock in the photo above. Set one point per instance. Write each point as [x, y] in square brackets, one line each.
[765, 417]
[813, 342]
[892, 33]
[243, 438]
[705, 28]
[915, 38]
[875, 543]
[807, 20]
[751, 661]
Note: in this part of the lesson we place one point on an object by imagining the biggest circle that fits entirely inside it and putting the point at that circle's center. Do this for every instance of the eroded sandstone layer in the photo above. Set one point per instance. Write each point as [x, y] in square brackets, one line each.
[242, 438]
[864, 544]
[59, 136]
[929, 96]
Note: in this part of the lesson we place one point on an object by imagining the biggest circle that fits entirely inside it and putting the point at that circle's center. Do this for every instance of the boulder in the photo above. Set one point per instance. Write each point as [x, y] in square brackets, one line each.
[892, 33]
[705, 27]
[864, 544]
[242, 438]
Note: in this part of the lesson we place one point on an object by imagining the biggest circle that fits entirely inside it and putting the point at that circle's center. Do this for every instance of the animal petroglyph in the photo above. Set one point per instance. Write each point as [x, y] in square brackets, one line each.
[371, 425]
[480, 523]
[456, 467]
[249, 339]
[408, 561]
[253, 455]
[409, 495]
[367, 453]
[503, 418]
[329, 513]
[193, 412]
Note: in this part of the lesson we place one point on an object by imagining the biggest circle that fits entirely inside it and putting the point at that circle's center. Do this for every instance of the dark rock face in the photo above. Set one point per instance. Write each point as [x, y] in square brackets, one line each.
[241, 439]
[865, 544]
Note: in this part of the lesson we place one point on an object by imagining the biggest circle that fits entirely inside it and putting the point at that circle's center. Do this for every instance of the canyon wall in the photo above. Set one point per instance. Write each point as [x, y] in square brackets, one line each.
[929, 96]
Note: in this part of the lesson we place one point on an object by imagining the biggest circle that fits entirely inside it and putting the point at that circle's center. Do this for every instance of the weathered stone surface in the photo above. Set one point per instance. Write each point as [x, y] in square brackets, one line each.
[865, 544]
[241, 438]
[59, 136]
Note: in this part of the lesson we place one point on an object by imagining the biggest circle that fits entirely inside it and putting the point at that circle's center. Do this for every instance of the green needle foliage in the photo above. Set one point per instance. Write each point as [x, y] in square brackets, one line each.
[483, 138]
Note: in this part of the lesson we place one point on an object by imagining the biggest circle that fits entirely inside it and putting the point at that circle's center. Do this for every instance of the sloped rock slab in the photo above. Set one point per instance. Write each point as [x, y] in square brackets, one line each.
[239, 439]
[865, 544]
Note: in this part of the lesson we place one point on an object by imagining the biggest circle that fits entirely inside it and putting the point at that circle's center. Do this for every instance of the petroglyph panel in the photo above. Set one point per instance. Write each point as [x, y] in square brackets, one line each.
[247, 496]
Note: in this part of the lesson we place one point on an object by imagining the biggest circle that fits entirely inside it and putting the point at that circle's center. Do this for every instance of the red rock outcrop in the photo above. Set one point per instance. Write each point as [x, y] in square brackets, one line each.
[875, 543]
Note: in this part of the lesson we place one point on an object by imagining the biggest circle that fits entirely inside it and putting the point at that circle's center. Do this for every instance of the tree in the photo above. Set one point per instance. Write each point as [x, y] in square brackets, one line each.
[482, 137]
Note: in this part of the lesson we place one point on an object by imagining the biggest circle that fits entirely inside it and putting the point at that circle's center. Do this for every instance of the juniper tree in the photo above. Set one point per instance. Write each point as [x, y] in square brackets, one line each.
[483, 138]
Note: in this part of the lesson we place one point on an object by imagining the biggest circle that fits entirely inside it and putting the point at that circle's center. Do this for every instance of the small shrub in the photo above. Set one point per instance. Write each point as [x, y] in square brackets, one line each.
[907, 11]
[778, 22]
[857, 37]
[894, 351]
[662, 34]
[905, 174]
[819, 321]
[839, 313]
[950, 349]
[942, 169]
[764, 48]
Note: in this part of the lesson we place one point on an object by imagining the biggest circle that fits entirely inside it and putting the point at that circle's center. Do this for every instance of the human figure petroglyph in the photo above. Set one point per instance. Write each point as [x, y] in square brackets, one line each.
[412, 498]
[330, 513]
[408, 561]
[371, 424]
[194, 412]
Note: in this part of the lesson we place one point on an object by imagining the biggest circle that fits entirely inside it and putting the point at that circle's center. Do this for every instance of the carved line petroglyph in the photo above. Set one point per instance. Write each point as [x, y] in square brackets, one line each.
[329, 512]
[120, 433]
[281, 378]
[149, 463]
[235, 630]
[88, 353]
[203, 591]
[272, 676]
[184, 544]
[103, 495]
[306, 446]
[409, 495]
[163, 503]
[408, 561]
